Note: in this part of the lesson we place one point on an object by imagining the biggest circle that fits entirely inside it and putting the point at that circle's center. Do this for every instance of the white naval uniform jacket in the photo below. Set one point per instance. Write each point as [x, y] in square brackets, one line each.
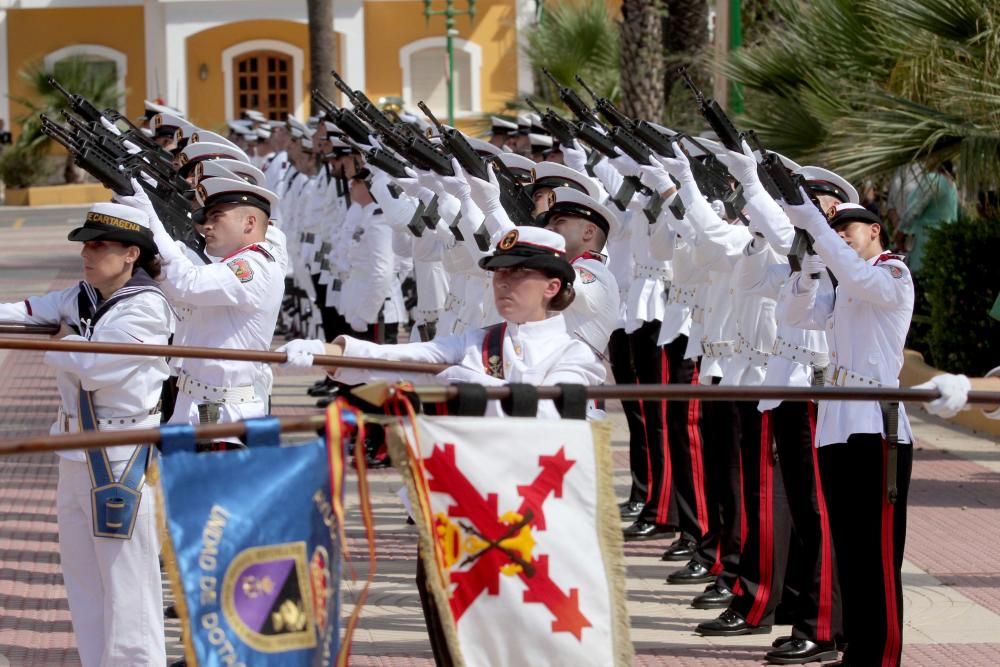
[866, 321]
[373, 285]
[234, 304]
[122, 385]
[593, 315]
[535, 353]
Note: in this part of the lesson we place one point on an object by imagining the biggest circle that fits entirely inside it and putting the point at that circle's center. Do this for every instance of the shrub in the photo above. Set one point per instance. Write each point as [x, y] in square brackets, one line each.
[961, 282]
[24, 164]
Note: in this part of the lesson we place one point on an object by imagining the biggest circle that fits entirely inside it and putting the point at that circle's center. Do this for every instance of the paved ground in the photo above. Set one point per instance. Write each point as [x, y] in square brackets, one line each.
[952, 573]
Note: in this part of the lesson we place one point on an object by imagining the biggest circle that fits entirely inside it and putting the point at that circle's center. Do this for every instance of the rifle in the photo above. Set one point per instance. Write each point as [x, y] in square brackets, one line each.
[606, 107]
[573, 101]
[78, 103]
[513, 196]
[345, 119]
[558, 127]
[713, 113]
[714, 179]
[456, 144]
[363, 106]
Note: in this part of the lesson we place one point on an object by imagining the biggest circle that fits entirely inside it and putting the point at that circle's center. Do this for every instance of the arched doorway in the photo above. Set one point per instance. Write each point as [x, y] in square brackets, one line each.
[263, 80]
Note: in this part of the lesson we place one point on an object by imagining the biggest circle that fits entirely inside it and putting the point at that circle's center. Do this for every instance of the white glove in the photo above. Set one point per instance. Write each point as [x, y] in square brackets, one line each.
[301, 351]
[110, 127]
[743, 166]
[458, 185]
[138, 200]
[485, 194]
[678, 166]
[954, 391]
[412, 186]
[625, 165]
[374, 142]
[806, 216]
[657, 178]
[718, 207]
[574, 156]
[811, 264]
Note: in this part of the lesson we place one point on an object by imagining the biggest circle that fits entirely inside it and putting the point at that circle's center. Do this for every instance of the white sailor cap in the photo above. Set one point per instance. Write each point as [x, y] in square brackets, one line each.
[332, 128]
[539, 142]
[213, 191]
[713, 147]
[228, 168]
[204, 136]
[520, 165]
[531, 248]
[523, 122]
[662, 128]
[243, 128]
[825, 182]
[115, 222]
[167, 123]
[554, 175]
[296, 124]
[195, 152]
[569, 201]
[307, 144]
[263, 133]
[152, 108]
[502, 126]
[255, 115]
[482, 147]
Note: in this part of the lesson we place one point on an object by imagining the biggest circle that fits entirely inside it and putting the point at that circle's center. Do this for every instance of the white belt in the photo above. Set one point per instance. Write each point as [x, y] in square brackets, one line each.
[698, 314]
[753, 355]
[842, 377]
[683, 296]
[207, 392]
[642, 271]
[721, 348]
[802, 355]
[70, 423]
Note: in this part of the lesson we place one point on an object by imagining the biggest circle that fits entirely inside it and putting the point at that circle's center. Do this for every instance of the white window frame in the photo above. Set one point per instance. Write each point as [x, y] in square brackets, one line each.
[475, 65]
[104, 52]
[237, 50]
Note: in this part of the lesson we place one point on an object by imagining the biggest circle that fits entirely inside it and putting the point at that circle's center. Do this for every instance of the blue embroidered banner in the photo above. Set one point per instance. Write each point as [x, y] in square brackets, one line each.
[255, 537]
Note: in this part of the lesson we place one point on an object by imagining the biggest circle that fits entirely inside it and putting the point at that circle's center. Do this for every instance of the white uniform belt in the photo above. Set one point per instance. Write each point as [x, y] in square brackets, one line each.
[798, 354]
[721, 348]
[753, 355]
[656, 272]
[144, 420]
[842, 377]
[683, 296]
[206, 392]
[698, 314]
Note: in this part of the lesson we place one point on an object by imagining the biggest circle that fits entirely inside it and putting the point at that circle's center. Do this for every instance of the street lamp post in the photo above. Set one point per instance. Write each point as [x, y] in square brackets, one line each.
[449, 12]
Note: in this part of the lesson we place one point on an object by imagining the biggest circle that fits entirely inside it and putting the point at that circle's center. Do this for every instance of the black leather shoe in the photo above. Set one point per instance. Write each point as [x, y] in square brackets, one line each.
[630, 509]
[692, 573]
[681, 550]
[730, 624]
[716, 596]
[323, 388]
[644, 530]
[800, 651]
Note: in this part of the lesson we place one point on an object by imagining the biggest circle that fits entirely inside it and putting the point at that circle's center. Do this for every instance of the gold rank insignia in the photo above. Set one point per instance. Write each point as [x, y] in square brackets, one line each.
[508, 241]
[202, 193]
[831, 212]
[194, 138]
[552, 198]
[182, 159]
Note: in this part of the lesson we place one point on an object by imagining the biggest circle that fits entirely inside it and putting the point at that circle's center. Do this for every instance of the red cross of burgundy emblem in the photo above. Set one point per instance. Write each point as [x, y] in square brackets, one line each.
[474, 533]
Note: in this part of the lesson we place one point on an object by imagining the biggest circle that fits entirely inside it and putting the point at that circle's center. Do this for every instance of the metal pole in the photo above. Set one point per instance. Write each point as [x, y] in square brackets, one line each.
[735, 42]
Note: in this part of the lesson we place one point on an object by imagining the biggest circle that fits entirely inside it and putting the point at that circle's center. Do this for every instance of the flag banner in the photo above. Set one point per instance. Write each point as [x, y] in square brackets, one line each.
[520, 538]
[254, 544]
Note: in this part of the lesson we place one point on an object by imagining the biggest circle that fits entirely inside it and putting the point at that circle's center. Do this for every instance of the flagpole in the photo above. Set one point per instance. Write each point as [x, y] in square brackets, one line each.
[434, 394]
[189, 352]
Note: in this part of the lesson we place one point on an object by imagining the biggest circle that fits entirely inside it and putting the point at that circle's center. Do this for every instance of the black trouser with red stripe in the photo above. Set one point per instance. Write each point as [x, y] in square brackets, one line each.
[623, 370]
[816, 607]
[868, 538]
[719, 549]
[685, 441]
[762, 570]
[651, 367]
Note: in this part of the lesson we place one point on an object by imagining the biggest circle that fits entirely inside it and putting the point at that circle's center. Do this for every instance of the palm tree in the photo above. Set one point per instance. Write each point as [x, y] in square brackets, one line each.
[78, 75]
[322, 47]
[642, 58]
[866, 86]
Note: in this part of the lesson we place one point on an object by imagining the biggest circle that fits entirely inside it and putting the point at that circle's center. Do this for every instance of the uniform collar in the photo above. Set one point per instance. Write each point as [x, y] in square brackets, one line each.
[590, 254]
[553, 325]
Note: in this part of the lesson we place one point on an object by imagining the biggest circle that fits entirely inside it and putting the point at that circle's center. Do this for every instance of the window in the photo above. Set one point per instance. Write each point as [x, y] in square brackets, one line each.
[425, 74]
[263, 80]
[100, 60]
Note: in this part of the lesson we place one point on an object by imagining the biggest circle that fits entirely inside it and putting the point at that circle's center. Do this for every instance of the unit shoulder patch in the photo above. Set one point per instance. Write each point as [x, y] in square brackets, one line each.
[586, 277]
[894, 270]
[242, 269]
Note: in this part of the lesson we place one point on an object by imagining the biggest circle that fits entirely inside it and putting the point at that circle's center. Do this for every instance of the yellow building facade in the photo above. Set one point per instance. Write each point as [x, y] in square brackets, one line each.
[213, 58]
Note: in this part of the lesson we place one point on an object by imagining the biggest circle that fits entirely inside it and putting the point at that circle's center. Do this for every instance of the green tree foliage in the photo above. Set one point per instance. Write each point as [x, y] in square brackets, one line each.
[865, 86]
[961, 282]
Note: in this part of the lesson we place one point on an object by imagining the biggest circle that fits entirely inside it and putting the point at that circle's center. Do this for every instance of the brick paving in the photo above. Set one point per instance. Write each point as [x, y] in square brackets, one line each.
[951, 577]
